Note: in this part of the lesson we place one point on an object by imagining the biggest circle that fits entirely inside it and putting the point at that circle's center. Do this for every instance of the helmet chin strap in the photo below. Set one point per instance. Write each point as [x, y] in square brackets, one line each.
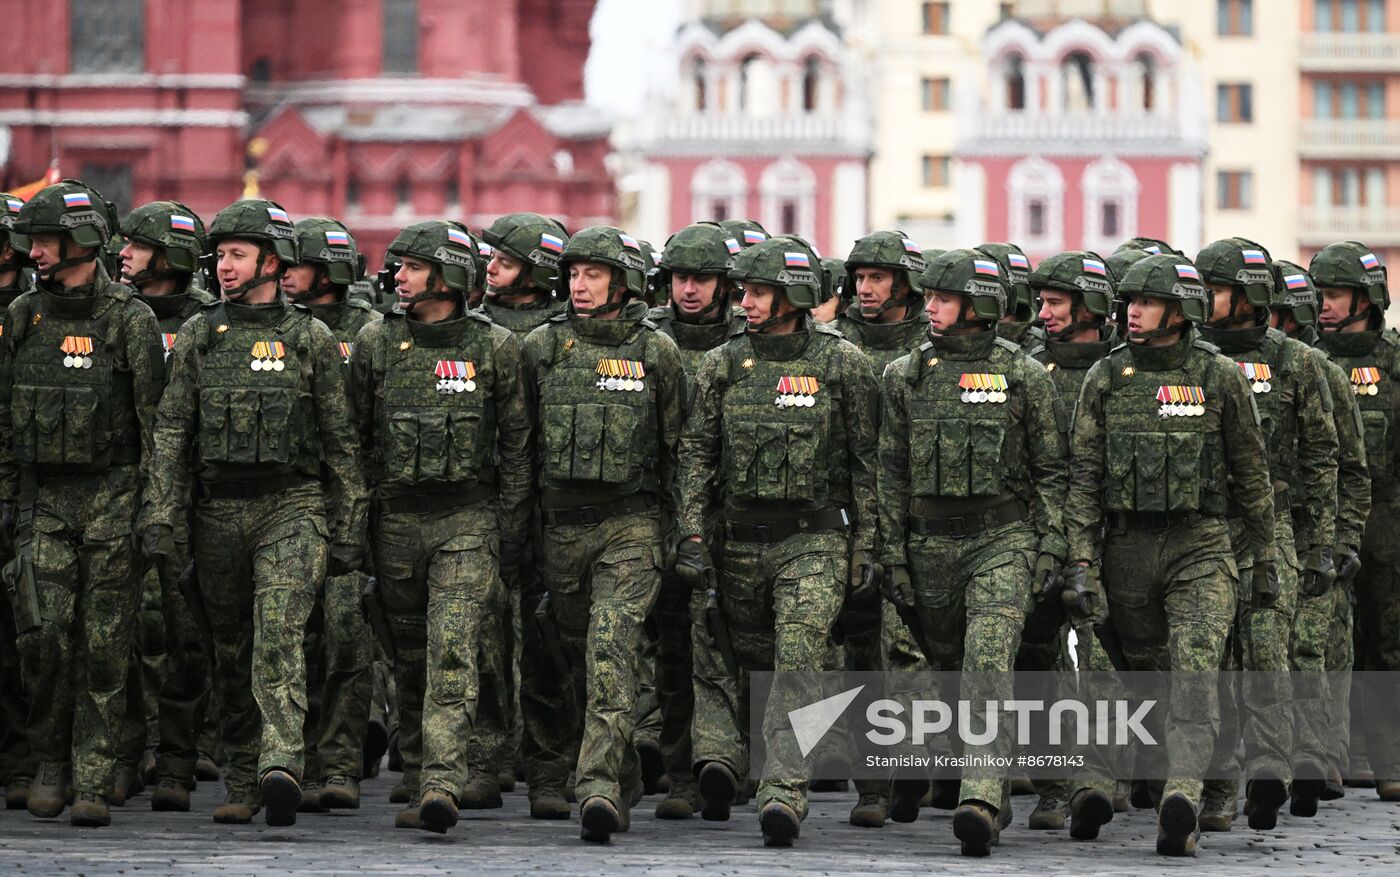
[1162, 330]
[430, 291]
[258, 279]
[1234, 317]
[315, 289]
[705, 314]
[610, 306]
[964, 323]
[536, 293]
[1352, 315]
[65, 261]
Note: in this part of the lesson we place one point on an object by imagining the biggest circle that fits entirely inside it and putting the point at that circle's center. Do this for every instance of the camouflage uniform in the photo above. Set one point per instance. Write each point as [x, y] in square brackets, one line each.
[1377, 586]
[262, 446]
[795, 486]
[1295, 407]
[608, 395]
[443, 419]
[970, 501]
[1158, 472]
[74, 442]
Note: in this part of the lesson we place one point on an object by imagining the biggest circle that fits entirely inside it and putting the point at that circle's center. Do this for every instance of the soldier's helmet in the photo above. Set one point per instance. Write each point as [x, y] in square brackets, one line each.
[1078, 272]
[69, 207]
[1016, 272]
[1150, 246]
[610, 246]
[971, 274]
[9, 214]
[258, 220]
[1168, 277]
[484, 252]
[534, 240]
[651, 257]
[170, 228]
[1295, 292]
[1349, 264]
[788, 263]
[838, 281]
[702, 249]
[1122, 259]
[892, 250]
[328, 243]
[1241, 264]
[443, 245]
[746, 231]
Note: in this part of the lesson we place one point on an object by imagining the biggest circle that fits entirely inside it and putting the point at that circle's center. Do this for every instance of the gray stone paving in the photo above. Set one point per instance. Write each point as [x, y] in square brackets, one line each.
[1358, 834]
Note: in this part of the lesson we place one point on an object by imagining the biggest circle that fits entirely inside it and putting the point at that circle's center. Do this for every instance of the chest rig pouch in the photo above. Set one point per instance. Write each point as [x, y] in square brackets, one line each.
[957, 432]
[71, 402]
[1277, 404]
[777, 423]
[437, 415]
[1373, 376]
[598, 413]
[1157, 463]
[260, 416]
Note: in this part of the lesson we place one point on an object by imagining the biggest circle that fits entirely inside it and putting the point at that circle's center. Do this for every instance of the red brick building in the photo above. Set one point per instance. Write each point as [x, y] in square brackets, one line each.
[380, 112]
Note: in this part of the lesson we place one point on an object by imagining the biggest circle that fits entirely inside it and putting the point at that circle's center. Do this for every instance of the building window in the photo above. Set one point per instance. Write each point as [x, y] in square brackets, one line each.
[1234, 102]
[1008, 10]
[1035, 217]
[1016, 83]
[107, 36]
[1349, 16]
[936, 19]
[1348, 100]
[937, 171]
[403, 196]
[400, 36]
[811, 78]
[1110, 191]
[1078, 73]
[1036, 203]
[1234, 18]
[718, 191]
[1147, 71]
[936, 92]
[114, 181]
[352, 194]
[1108, 220]
[787, 217]
[697, 79]
[1349, 188]
[1235, 190]
[788, 198]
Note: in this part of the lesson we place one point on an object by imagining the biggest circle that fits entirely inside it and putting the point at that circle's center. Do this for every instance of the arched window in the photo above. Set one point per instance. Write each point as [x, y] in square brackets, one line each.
[788, 196]
[746, 81]
[1146, 69]
[718, 191]
[1110, 203]
[811, 78]
[1078, 71]
[1035, 191]
[697, 81]
[1015, 83]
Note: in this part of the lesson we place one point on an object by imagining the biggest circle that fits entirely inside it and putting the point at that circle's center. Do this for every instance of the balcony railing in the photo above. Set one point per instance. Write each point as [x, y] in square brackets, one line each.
[1349, 52]
[1016, 132]
[1350, 138]
[1373, 226]
[720, 129]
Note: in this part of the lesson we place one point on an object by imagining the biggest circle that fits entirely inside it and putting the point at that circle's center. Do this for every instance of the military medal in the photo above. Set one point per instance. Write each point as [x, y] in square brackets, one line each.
[346, 348]
[167, 341]
[1259, 374]
[979, 388]
[1364, 380]
[621, 374]
[77, 348]
[455, 376]
[797, 392]
[267, 356]
[1181, 401]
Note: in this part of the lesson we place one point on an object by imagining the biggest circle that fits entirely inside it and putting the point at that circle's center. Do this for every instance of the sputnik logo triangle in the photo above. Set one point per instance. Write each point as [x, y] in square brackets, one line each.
[810, 723]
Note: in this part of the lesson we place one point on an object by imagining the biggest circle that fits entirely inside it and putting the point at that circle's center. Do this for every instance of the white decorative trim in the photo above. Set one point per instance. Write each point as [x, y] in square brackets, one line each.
[788, 180]
[1105, 181]
[1035, 179]
[718, 181]
[392, 89]
[125, 118]
[122, 80]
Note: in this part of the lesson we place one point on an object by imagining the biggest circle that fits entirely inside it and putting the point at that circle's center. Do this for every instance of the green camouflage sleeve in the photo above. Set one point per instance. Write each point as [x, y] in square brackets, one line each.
[1048, 459]
[1353, 478]
[9, 469]
[671, 399]
[860, 402]
[698, 479]
[147, 381]
[892, 480]
[1317, 455]
[515, 429]
[1246, 457]
[364, 389]
[346, 489]
[171, 471]
[1084, 499]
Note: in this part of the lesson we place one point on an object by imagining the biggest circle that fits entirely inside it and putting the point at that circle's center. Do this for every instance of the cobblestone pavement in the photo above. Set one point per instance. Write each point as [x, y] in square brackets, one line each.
[1358, 834]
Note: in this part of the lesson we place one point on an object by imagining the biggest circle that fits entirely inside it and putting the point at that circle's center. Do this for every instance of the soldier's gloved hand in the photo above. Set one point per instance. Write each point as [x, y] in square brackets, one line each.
[1083, 596]
[1318, 572]
[1263, 582]
[898, 587]
[8, 509]
[865, 575]
[1348, 562]
[693, 564]
[345, 559]
[512, 552]
[1047, 571]
[157, 542]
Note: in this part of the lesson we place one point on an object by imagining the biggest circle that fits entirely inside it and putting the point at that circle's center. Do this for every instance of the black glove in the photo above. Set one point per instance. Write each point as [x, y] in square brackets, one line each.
[1318, 572]
[1348, 562]
[512, 552]
[693, 564]
[157, 542]
[345, 559]
[1047, 571]
[898, 587]
[1263, 582]
[8, 508]
[1083, 595]
[865, 575]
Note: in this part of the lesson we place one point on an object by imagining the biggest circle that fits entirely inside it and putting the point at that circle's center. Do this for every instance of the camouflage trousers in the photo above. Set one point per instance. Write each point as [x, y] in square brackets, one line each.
[674, 693]
[186, 680]
[339, 684]
[780, 602]
[1171, 599]
[492, 750]
[1045, 648]
[719, 725]
[439, 580]
[259, 563]
[602, 580]
[16, 764]
[140, 727]
[1377, 633]
[1320, 656]
[75, 663]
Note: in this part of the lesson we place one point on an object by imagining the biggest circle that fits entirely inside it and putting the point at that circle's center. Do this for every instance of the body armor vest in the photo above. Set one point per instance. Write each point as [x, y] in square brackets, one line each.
[694, 339]
[883, 343]
[1372, 362]
[171, 313]
[1068, 364]
[345, 319]
[524, 319]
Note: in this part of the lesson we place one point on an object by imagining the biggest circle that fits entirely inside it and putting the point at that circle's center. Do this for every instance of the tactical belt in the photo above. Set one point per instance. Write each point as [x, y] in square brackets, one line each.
[590, 515]
[429, 501]
[1119, 522]
[1282, 503]
[965, 524]
[778, 526]
[252, 488]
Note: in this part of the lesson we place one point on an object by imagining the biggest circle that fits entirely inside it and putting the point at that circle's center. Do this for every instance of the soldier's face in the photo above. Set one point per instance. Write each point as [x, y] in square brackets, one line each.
[412, 278]
[1283, 320]
[136, 257]
[944, 309]
[503, 271]
[589, 283]
[43, 250]
[1145, 314]
[298, 279]
[693, 292]
[760, 302]
[1056, 310]
[238, 263]
[1337, 302]
[874, 286]
[1220, 302]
